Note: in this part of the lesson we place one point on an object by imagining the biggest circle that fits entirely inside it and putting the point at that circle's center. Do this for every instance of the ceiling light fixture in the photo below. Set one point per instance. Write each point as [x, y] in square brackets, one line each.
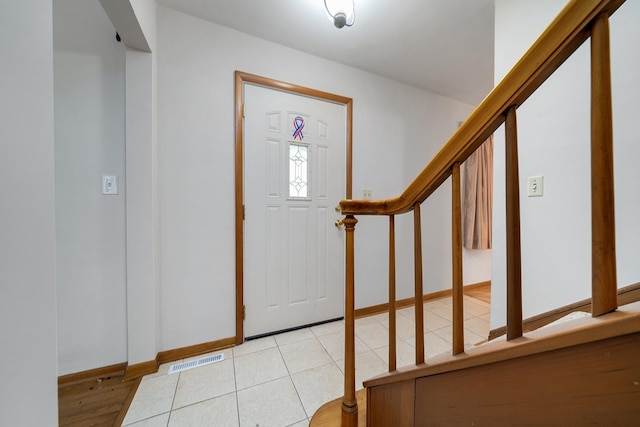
[340, 12]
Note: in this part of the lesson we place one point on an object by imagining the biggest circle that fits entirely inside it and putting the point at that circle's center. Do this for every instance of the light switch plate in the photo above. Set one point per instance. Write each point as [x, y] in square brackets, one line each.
[535, 186]
[109, 184]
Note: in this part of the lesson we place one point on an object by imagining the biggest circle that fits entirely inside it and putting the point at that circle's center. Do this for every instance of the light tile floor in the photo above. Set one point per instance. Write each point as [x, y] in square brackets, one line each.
[283, 379]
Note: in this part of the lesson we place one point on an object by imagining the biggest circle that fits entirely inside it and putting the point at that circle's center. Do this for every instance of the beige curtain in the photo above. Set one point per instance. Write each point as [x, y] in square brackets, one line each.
[478, 201]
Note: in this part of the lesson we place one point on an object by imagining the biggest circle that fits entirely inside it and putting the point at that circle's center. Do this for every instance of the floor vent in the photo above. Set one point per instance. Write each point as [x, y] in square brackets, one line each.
[207, 360]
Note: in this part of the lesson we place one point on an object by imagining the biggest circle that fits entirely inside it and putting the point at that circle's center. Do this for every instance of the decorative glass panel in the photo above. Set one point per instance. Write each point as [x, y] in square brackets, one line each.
[298, 171]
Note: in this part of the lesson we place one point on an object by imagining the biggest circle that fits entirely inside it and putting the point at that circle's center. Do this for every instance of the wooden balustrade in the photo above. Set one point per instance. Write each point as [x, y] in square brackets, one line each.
[579, 20]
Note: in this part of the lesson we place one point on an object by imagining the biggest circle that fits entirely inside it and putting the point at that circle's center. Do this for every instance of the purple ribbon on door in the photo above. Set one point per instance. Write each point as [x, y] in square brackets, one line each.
[298, 123]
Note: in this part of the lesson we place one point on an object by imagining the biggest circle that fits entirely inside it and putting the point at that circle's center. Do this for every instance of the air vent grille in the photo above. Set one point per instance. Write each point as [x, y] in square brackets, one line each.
[207, 360]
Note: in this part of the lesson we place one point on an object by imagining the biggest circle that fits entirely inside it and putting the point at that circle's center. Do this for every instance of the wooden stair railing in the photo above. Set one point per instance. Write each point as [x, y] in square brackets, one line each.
[578, 21]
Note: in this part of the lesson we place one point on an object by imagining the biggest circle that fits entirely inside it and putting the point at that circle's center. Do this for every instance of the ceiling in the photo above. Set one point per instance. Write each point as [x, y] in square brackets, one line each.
[445, 46]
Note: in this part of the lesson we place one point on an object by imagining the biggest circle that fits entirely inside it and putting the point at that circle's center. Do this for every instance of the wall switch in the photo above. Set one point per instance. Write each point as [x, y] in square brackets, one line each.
[367, 194]
[109, 184]
[535, 186]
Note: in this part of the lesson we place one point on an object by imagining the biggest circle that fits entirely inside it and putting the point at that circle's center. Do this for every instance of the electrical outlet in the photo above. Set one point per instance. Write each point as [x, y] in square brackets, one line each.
[367, 194]
[535, 186]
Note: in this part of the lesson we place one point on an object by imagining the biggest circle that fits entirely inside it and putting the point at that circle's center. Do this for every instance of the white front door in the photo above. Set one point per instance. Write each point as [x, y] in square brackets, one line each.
[295, 161]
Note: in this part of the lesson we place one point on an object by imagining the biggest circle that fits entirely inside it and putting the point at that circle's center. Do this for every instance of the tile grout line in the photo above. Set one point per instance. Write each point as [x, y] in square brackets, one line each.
[235, 383]
[291, 379]
[175, 391]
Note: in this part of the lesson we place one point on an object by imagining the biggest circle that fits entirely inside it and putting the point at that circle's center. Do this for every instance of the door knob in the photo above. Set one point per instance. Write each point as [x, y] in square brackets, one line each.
[339, 223]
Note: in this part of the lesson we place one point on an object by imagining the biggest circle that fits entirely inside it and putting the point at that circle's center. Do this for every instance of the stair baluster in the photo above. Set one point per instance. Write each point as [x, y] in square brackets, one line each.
[604, 284]
[392, 294]
[514, 261]
[419, 308]
[456, 258]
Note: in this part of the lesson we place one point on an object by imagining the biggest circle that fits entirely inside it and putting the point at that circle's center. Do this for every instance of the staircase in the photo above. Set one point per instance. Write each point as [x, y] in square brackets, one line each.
[582, 372]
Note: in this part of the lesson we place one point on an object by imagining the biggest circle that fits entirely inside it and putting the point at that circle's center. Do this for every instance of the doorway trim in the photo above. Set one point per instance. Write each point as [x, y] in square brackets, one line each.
[240, 79]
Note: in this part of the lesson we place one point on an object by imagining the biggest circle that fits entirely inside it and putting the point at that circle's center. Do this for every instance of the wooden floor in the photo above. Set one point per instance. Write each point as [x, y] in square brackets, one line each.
[482, 293]
[95, 398]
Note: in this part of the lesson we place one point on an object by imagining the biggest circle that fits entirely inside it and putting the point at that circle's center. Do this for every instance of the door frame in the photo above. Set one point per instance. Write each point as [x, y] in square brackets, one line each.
[240, 79]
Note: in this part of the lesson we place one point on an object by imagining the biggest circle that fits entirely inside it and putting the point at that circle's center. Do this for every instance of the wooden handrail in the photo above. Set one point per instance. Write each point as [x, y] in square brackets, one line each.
[563, 36]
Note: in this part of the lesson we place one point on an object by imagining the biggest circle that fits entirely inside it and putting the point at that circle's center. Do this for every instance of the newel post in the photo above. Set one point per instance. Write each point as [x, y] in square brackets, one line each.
[349, 401]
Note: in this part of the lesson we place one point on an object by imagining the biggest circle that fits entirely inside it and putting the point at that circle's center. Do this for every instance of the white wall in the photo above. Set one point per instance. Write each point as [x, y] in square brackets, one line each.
[90, 227]
[135, 22]
[145, 11]
[27, 226]
[422, 141]
[553, 141]
[142, 220]
[395, 126]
